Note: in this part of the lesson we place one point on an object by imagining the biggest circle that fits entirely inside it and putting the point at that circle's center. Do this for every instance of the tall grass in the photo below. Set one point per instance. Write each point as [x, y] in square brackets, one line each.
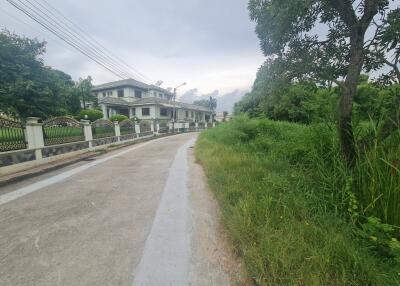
[297, 215]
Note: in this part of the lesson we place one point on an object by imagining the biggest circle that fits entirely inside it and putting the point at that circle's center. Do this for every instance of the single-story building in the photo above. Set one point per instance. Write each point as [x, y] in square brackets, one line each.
[137, 99]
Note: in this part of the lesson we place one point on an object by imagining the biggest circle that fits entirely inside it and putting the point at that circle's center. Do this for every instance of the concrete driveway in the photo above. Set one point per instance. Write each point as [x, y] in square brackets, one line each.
[141, 215]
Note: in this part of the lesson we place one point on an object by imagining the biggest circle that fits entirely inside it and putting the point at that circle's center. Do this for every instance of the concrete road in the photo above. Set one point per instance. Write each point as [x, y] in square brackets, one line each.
[141, 215]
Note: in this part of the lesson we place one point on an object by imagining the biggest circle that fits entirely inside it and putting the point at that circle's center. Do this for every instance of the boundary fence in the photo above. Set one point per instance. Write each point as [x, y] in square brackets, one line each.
[21, 143]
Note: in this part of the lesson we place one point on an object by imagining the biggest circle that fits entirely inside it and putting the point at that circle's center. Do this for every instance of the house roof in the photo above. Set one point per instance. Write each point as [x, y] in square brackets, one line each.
[113, 101]
[151, 100]
[130, 82]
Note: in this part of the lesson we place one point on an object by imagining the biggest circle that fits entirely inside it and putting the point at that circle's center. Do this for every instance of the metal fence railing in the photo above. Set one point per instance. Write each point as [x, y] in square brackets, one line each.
[145, 126]
[127, 127]
[102, 128]
[12, 135]
[60, 130]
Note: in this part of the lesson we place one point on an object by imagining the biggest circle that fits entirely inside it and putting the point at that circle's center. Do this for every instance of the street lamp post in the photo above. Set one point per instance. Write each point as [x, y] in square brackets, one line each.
[174, 109]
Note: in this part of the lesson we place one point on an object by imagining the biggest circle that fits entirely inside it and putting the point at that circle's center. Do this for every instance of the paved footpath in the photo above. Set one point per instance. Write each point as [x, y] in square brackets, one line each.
[140, 215]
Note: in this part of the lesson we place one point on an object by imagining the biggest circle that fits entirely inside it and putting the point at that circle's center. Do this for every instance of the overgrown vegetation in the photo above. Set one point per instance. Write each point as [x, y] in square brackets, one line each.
[297, 214]
[315, 200]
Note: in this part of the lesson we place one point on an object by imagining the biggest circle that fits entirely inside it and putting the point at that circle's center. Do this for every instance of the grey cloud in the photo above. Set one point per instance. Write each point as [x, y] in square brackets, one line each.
[169, 40]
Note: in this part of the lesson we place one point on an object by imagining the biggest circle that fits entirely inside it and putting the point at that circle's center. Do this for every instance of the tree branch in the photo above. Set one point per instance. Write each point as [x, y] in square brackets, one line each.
[345, 10]
[370, 10]
[339, 83]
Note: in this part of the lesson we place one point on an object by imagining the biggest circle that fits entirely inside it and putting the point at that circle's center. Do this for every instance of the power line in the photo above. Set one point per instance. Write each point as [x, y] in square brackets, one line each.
[95, 41]
[76, 35]
[43, 24]
[86, 48]
[72, 37]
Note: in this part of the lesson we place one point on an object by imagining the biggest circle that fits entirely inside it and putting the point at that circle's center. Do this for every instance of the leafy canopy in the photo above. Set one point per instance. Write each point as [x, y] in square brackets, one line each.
[27, 86]
[311, 37]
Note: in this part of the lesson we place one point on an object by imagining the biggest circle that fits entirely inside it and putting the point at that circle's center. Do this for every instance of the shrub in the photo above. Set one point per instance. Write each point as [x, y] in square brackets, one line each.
[90, 114]
[118, 117]
[294, 211]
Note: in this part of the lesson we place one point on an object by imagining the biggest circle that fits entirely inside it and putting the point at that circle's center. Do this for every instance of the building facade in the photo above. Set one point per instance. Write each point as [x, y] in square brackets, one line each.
[136, 99]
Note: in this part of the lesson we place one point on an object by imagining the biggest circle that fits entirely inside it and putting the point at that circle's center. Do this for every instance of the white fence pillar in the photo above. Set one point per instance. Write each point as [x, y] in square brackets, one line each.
[157, 127]
[87, 131]
[205, 125]
[152, 126]
[117, 130]
[213, 125]
[171, 127]
[137, 128]
[34, 136]
[196, 126]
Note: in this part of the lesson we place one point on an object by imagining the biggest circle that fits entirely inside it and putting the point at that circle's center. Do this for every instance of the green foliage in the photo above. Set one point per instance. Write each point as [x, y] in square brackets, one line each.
[210, 103]
[296, 213]
[118, 117]
[27, 86]
[90, 114]
[202, 102]
[307, 102]
[387, 42]
[83, 88]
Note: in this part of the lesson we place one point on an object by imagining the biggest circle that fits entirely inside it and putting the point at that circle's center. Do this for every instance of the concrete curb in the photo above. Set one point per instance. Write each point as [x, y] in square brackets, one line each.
[40, 170]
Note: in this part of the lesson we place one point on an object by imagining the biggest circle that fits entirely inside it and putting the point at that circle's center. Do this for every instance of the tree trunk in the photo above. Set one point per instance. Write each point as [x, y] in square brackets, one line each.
[350, 89]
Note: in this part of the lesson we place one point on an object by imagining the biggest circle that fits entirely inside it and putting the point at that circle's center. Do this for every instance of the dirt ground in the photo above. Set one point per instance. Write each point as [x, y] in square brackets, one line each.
[213, 260]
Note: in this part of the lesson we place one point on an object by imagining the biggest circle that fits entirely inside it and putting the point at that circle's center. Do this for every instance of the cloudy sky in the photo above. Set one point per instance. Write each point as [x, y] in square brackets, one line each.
[210, 44]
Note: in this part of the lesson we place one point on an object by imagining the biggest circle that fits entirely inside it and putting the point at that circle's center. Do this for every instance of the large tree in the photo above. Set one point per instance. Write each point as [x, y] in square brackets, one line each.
[322, 40]
[28, 87]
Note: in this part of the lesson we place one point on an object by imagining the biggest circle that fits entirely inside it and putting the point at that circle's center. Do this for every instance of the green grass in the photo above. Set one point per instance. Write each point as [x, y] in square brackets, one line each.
[289, 222]
[9, 134]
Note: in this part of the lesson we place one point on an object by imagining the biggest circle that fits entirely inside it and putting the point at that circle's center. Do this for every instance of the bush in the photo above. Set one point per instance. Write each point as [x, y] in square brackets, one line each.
[118, 117]
[90, 114]
[293, 210]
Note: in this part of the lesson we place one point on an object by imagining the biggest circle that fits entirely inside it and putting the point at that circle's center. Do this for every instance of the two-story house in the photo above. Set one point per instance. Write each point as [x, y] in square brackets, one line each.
[137, 99]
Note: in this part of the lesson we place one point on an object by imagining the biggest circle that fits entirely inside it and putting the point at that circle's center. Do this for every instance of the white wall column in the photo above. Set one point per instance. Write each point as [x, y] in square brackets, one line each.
[104, 110]
[137, 128]
[131, 112]
[87, 130]
[117, 130]
[34, 136]
[152, 126]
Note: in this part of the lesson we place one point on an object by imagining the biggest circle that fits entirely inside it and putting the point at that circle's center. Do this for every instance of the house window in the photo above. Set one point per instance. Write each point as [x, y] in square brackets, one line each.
[120, 93]
[186, 114]
[146, 111]
[191, 114]
[133, 111]
[104, 94]
[138, 94]
[163, 112]
[160, 95]
[109, 93]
